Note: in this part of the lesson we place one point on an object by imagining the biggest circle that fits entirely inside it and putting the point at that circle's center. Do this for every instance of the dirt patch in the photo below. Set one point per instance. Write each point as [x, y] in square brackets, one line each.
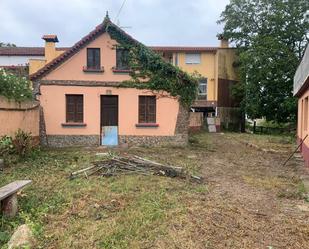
[253, 201]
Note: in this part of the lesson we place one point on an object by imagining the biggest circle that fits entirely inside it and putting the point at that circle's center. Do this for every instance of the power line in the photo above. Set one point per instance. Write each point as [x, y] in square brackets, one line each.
[123, 3]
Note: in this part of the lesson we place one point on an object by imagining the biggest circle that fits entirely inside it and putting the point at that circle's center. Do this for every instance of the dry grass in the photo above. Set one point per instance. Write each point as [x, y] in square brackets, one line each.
[245, 203]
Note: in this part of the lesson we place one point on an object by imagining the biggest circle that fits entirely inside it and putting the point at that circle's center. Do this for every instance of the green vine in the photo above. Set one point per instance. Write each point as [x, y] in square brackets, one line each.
[150, 71]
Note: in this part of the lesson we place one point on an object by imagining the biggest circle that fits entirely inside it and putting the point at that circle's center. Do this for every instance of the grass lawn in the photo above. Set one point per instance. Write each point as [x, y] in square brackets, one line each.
[156, 212]
[117, 212]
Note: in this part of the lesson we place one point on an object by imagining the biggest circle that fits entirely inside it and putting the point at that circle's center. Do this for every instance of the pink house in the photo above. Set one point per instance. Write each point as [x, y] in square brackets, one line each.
[83, 100]
[301, 91]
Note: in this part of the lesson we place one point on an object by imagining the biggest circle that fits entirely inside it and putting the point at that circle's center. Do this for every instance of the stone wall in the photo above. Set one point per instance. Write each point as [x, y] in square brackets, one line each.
[182, 126]
[72, 140]
[177, 140]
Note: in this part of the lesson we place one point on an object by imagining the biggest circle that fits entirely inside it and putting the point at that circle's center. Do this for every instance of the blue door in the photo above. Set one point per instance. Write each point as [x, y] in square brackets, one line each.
[110, 136]
[109, 120]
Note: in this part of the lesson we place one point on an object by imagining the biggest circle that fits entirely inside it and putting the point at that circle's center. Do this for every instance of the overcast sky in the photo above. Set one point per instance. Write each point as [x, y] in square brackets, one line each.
[152, 22]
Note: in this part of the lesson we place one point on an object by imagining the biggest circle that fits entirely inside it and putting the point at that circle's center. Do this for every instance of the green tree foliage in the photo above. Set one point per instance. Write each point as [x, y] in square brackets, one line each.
[2, 44]
[271, 36]
[14, 87]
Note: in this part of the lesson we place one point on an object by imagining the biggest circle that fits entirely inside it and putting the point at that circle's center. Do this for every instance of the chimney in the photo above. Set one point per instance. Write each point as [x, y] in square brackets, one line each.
[224, 43]
[50, 48]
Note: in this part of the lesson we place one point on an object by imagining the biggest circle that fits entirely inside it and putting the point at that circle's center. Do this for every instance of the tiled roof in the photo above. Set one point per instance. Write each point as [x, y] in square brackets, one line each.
[301, 78]
[24, 51]
[183, 49]
[39, 51]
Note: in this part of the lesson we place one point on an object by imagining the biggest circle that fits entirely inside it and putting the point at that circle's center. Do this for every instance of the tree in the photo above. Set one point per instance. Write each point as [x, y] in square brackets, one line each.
[2, 44]
[271, 36]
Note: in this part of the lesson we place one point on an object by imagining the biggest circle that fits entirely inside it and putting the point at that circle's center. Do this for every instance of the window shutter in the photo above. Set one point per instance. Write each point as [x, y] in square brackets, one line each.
[74, 108]
[193, 58]
[93, 58]
[147, 109]
[79, 117]
[122, 61]
[97, 63]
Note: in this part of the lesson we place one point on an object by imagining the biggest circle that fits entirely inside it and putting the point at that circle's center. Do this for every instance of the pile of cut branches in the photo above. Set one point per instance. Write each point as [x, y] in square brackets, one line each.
[115, 165]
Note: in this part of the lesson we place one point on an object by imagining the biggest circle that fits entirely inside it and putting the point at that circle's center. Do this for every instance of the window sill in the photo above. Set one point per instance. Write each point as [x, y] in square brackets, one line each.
[123, 71]
[74, 125]
[147, 125]
[93, 70]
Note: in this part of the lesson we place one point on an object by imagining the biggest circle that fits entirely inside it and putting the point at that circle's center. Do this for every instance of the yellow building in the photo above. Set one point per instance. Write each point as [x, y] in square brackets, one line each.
[215, 65]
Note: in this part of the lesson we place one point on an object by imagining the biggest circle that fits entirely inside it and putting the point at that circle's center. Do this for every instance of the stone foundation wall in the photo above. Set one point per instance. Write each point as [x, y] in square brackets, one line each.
[72, 140]
[177, 140]
[94, 140]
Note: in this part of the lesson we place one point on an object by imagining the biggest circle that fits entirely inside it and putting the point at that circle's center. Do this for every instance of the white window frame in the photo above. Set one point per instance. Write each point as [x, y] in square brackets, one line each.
[193, 58]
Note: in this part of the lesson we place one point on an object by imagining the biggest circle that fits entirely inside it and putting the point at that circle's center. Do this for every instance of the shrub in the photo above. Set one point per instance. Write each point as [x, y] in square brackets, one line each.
[23, 143]
[6, 146]
[14, 87]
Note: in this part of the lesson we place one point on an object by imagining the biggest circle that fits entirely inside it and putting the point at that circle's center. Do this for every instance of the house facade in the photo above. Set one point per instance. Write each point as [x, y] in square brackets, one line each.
[83, 101]
[301, 91]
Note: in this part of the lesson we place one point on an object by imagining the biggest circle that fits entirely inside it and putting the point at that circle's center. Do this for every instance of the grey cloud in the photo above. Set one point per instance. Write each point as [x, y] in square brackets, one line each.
[153, 22]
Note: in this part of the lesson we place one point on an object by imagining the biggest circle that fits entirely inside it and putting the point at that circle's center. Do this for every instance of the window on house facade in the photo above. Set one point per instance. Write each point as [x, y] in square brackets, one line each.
[193, 58]
[202, 89]
[147, 109]
[93, 58]
[122, 59]
[74, 108]
[176, 59]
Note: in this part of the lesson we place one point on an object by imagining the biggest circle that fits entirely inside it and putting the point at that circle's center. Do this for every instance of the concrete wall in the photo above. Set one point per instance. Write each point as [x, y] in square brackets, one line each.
[6, 60]
[14, 116]
[35, 65]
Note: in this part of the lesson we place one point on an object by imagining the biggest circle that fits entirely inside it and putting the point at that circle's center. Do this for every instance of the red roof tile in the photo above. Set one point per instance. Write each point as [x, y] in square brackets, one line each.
[25, 51]
[183, 49]
[39, 51]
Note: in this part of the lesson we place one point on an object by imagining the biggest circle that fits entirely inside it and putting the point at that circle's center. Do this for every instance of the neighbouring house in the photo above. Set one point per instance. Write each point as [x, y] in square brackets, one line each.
[217, 67]
[301, 91]
[84, 102]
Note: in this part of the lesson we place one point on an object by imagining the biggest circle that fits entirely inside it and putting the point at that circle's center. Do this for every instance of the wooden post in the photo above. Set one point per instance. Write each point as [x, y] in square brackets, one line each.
[9, 205]
[254, 127]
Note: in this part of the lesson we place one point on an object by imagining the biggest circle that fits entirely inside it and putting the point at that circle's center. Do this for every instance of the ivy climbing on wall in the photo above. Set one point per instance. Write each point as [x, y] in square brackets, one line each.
[150, 71]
